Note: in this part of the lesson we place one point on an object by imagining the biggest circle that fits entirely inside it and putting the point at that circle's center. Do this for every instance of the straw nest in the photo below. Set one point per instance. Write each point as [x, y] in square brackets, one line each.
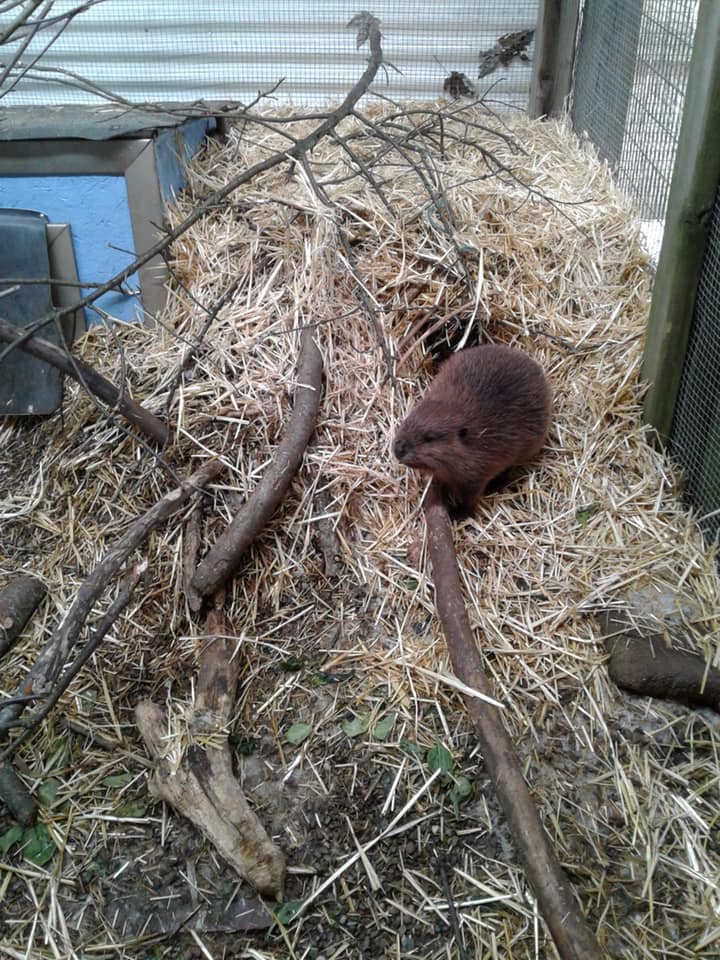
[533, 247]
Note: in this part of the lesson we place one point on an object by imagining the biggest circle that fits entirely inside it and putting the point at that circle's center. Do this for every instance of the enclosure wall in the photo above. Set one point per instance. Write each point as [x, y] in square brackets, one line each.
[695, 435]
[630, 77]
[301, 50]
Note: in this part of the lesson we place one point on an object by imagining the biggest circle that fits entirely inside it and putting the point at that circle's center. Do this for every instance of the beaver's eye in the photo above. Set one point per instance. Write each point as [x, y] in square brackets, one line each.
[462, 432]
[428, 438]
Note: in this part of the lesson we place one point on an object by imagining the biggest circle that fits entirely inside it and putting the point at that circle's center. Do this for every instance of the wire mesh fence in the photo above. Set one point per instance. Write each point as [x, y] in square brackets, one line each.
[182, 51]
[630, 76]
[695, 436]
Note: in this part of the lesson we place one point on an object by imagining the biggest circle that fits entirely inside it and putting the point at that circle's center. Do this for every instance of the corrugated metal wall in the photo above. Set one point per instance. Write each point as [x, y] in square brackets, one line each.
[185, 50]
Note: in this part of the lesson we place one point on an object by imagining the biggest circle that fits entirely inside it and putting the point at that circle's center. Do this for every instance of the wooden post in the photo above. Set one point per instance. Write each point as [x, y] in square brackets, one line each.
[606, 60]
[693, 190]
[554, 57]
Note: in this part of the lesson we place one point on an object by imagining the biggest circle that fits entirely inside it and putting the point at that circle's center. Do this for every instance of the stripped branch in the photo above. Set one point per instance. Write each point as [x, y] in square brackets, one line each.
[554, 895]
[41, 678]
[227, 551]
[18, 601]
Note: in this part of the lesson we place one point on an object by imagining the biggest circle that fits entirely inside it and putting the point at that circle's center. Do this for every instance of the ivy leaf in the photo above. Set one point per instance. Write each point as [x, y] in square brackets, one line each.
[320, 678]
[298, 732]
[288, 911]
[39, 846]
[461, 791]
[13, 835]
[439, 758]
[355, 727]
[585, 514]
[292, 664]
[47, 791]
[409, 747]
[242, 745]
[383, 727]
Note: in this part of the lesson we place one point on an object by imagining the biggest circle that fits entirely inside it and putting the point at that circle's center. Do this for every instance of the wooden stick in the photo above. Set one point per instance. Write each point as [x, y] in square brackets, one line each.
[227, 551]
[89, 378]
[573, 938]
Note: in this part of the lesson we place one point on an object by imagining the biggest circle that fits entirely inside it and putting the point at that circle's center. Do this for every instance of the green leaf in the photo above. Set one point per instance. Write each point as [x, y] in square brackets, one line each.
[288, 911]
[383, 727]
[355, 727]
[439, 758]
[320, 678]
[292, 664]
[116, 780]
[584, 514]
[88, 699]
[47, 791]
[13, 835]
[297, 733]
[410, 747]
[39, 846]
[461, 790]
[242, 745]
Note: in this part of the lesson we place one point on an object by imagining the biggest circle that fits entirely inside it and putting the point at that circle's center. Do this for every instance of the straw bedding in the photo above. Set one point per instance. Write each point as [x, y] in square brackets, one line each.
[532, 246]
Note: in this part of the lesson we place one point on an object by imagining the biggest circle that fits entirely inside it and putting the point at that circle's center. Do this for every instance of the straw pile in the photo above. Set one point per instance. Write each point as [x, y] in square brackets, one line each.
[532, 247]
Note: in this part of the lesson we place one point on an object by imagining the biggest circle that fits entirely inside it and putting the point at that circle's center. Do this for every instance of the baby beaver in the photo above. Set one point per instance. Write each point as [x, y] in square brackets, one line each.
[487, 409]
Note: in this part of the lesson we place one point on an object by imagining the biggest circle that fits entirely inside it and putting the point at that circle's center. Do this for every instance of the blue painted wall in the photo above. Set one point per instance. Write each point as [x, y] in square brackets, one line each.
[96, 207]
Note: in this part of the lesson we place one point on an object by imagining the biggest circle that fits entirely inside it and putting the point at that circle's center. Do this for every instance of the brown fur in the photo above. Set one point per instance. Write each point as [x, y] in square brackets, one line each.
[487, 409]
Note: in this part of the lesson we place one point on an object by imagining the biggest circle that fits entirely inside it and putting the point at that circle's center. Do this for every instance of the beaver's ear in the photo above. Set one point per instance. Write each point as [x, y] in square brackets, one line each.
[462, 432]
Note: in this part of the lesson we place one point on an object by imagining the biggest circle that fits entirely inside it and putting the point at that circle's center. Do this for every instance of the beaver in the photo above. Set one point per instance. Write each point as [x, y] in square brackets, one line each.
[488, 409]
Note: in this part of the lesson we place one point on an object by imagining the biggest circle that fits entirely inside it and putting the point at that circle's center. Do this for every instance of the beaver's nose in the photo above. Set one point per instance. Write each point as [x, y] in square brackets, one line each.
[399, 448]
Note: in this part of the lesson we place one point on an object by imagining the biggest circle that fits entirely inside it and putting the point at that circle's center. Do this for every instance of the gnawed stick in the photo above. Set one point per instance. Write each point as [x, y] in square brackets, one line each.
[18, 601]
[76, 368]
[50, 661]
[554, 895]
[201, 786]
[643, 663]
[226, 552]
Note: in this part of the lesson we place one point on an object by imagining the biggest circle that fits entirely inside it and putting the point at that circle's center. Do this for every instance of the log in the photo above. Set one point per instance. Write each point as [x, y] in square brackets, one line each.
[645, 664]
[202, 786]
[18, 601]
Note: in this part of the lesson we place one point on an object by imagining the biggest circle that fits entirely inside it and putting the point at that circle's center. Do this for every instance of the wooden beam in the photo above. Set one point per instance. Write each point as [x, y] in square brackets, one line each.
[554, 57]
[693, 190]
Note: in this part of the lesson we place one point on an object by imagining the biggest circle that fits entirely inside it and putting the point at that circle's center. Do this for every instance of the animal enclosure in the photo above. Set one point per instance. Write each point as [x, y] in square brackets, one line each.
[374, 236]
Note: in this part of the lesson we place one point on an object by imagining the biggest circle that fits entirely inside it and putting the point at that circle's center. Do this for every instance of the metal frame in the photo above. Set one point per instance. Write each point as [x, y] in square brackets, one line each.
[63, 267]
[132, 159]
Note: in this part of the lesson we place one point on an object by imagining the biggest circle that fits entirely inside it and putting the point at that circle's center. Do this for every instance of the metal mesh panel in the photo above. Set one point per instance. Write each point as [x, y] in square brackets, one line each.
[630, 77]
[695, 436]
[185, 50]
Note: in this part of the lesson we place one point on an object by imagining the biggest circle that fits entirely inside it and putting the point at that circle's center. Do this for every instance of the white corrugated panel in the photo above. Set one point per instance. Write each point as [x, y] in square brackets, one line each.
[185, 50]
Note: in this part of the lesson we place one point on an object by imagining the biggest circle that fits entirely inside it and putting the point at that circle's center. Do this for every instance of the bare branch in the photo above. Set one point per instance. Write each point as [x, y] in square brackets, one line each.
[227, 551]
[554, 895]
[90, 378]
[52, 658]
